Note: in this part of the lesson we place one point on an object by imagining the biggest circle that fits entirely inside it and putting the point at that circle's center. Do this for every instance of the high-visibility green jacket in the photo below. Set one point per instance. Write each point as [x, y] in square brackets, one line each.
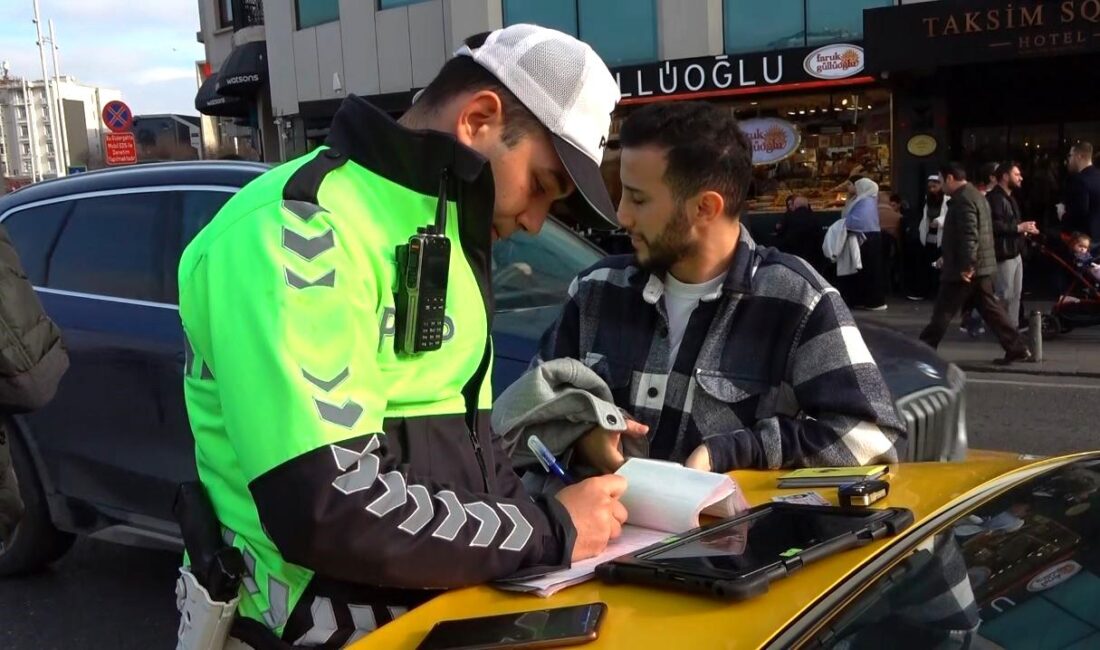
[355, 480]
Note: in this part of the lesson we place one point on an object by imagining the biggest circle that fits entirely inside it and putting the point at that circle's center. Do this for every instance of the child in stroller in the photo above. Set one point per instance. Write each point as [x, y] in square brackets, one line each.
[1079, 303]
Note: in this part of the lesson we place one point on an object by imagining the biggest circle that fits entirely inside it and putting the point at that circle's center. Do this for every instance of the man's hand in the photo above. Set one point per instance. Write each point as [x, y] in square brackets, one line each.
[967, 275]
[594, 507]
[1028, 228]
[699, 459]
[602, 449]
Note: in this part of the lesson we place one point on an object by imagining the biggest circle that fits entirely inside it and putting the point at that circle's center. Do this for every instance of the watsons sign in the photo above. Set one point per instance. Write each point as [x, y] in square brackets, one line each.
[772, 139]
[834, 61]
[745, 72]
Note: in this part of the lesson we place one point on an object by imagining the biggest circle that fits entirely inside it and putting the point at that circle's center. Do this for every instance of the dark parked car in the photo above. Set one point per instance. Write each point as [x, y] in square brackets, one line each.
[102, 248]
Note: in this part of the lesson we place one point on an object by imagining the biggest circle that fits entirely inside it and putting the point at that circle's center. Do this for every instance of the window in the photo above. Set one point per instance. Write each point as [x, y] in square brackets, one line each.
[114, 246]
[1021, 571]
[745, 31]
[390, 4]
[793, 23]
[831, 21]
[225, 13]
[33, 232]
[23, 132]
[621, 31]
[535, 271]
[198, 208]
[20, 112]
[316, 12]
[555, 14]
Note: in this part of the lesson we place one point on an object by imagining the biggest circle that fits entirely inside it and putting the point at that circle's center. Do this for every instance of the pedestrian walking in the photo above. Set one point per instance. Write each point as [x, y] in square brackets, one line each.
[1008, 230]
[922, 276]
[968, 266]
[866, 289]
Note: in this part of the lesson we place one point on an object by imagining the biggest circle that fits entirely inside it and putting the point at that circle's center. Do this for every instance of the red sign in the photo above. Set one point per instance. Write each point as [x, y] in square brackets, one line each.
[117, 116]
[120, 149]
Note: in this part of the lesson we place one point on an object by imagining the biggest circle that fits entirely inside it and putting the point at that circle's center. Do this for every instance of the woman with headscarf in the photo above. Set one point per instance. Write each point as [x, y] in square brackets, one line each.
[867, 288]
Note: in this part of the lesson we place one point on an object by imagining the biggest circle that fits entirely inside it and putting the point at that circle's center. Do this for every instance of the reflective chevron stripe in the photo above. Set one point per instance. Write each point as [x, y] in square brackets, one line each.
[304, 210]
[455, 519]
[394, 496]
[324, 623]
[490, 523]
[520, 533]
[365, 463]
[330, 385]
[346, 415]
[298, 282]
[361, 471]
[308, 248]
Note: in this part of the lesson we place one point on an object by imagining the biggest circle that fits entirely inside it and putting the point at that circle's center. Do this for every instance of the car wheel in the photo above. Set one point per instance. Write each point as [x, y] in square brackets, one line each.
[1052, 327]
[36, 541]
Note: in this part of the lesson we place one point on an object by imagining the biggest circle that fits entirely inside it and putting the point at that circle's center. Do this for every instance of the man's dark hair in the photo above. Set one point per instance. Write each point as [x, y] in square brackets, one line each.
[988, 171]
[461, 74]
[1083, 148]
[704, 145]
[956, 169]
[1005, 168]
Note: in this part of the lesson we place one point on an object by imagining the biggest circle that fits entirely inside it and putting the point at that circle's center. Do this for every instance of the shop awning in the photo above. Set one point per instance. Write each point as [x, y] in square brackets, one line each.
[245, 71]
[209, 102]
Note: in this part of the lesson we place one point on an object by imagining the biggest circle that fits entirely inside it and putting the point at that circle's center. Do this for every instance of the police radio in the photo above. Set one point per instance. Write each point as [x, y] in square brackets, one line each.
[422, 266]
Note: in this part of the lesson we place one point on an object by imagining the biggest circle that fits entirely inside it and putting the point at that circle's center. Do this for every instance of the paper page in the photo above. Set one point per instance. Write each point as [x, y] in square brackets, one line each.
[631, 539]
[669, 497]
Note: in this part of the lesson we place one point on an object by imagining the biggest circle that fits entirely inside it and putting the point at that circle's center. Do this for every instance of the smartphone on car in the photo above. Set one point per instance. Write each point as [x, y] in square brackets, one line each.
[543, 628]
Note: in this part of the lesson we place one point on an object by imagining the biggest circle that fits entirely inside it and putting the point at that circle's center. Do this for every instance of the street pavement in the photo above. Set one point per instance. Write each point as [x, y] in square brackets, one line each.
[105, 596]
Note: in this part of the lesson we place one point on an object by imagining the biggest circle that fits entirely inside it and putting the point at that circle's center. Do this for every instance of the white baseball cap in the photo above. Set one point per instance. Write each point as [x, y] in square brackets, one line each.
[567, 87]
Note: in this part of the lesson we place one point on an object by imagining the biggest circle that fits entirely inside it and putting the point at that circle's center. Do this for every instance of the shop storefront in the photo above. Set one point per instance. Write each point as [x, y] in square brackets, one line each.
[986, 81]
[813, 115]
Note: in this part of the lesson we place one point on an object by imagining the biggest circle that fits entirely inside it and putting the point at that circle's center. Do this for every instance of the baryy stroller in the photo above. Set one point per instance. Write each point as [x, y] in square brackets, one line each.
[1079, 304]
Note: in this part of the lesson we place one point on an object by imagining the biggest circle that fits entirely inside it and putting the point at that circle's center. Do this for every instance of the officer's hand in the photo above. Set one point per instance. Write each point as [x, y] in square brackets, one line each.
[594, 507]
[603, 449]
[699, 459]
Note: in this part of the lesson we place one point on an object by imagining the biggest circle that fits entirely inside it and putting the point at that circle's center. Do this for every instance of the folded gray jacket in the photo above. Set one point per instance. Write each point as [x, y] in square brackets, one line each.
[559, 401]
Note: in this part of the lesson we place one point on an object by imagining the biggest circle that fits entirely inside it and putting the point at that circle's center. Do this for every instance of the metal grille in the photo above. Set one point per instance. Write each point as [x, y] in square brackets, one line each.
[936, 420]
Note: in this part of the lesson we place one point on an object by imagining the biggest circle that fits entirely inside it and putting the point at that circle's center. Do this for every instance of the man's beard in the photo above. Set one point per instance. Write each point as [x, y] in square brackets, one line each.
[672, 245]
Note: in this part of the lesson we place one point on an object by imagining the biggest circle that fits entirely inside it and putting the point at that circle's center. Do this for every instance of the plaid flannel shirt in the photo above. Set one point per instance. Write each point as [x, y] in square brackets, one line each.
[771, 372]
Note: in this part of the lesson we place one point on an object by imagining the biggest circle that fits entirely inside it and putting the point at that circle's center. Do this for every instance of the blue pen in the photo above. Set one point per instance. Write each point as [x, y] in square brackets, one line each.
[547, 460]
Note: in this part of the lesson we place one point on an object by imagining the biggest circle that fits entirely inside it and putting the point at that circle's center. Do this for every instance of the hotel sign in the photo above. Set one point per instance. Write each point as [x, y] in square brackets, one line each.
[930, 34]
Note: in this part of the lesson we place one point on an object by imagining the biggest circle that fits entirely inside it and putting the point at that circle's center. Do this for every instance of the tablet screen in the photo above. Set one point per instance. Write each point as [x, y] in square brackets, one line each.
[757, 542]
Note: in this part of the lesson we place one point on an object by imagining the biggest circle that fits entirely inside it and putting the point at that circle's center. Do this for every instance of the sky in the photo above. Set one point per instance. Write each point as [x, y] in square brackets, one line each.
[144, 48]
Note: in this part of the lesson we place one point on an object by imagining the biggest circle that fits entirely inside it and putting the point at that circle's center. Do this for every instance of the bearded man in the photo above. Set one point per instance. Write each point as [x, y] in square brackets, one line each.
[723, 353]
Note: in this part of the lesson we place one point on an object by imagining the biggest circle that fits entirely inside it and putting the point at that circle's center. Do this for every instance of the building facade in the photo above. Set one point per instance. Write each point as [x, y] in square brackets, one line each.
[27, 147]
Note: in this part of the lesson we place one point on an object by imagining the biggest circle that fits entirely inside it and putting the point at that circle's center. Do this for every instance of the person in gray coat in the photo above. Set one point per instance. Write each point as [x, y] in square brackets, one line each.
[968, 266]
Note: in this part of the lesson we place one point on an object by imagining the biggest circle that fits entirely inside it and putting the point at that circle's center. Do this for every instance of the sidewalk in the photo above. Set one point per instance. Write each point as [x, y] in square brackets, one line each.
[1075, 354]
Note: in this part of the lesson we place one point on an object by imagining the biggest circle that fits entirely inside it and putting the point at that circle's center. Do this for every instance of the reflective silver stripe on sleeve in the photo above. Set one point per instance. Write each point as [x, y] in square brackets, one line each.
[329, 385]
[304, 210]
[455, 519]
[423, 513]
[298, 282]
[345, 415]
[308, 248]
[324, 623]
[393, 498]
[365, 470]
[490, 523]
[521, 532]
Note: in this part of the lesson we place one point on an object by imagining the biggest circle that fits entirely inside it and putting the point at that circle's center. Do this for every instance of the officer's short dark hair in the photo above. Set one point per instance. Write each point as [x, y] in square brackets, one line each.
[1083, 149]
[704, 144]
[461, 74]
[1005, 168]
[956, 169]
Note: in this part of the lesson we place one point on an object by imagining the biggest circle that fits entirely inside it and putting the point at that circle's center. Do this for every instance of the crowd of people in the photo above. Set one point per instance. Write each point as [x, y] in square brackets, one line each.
[880, 245]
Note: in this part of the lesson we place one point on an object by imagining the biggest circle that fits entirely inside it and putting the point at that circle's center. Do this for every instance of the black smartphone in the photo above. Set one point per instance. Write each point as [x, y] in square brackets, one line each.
[543, 628]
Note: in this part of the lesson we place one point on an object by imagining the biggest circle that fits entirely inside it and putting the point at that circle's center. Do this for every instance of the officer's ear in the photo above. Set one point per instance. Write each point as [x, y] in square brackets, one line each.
[480, 119]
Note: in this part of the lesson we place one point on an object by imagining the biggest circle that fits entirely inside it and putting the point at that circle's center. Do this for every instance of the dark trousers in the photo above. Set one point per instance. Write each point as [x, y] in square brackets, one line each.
[867, 288]
[921, 279]
[951, 298]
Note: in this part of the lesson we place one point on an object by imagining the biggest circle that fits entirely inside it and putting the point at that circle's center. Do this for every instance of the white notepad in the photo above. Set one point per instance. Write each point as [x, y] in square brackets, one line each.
[661, 499]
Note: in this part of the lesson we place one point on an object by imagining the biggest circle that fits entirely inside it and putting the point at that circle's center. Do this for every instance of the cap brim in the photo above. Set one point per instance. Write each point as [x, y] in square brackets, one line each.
[591, 203]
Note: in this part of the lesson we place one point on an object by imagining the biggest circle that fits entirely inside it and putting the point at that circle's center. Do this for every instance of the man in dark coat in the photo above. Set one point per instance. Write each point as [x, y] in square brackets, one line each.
[1082, 193]
[968, 266]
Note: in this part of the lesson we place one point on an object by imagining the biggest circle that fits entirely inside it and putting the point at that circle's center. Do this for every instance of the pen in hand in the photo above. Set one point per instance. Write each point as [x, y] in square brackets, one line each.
[547, 460]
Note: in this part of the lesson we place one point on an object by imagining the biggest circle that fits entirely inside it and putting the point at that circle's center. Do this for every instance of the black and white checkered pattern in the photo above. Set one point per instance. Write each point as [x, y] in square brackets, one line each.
[772, 371]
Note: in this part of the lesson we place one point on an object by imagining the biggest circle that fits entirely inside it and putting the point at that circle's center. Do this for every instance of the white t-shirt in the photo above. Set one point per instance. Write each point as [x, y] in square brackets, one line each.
[680, 301]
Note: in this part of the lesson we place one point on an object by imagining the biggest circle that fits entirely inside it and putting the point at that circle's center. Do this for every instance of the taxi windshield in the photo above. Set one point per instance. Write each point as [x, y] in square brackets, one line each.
[1022, 571]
